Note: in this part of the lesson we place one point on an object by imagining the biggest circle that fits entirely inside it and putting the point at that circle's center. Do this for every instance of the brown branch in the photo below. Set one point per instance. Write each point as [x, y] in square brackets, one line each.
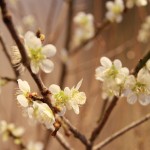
[67, 42]
[100, 27]
[76, 133]
[104, 119]
[63, 142]
[121, 132]
[16, 72]
[141, 63]
[104, 106]
[8, 79]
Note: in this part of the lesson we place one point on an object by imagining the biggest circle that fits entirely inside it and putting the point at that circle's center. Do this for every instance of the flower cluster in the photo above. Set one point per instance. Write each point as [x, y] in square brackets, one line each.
[35, 109]
[10, 130]
[84, 27]
[113, 75]
[70, 98]
[132, 3]
[144, 32]
[115, 10]
[39, 54]
[117, 81]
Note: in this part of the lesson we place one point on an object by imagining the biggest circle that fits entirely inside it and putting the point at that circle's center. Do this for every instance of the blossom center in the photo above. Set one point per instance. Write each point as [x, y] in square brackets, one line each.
[61, 98]
[36, 55]
[140, 88]
[112, 72]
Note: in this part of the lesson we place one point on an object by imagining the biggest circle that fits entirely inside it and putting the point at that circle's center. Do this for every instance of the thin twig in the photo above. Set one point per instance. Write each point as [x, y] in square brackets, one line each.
[121, 132]
[76, 133]
[8, 79]
[104, 119]
[67, 42]
[104, 106]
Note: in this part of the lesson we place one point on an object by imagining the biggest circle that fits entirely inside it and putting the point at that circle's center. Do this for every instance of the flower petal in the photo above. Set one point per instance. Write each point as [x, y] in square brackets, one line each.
[23, 86]
[132, 98]
[144, 100]
[22, 100]
[75, 108]
[49, 50]
[105, 62]
[117, 63]
[54, 88]
[34, 67]
[79, 84]
[47, 65]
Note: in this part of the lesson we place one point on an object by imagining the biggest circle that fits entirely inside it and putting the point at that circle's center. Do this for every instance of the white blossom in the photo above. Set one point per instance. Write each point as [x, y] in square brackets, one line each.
[28, 21]
[115, 10]
[144, 32]
[84, 27]
[132, 3]
[35, 109]
[70, 98]
[39, 54]
[113, 76]
[10, 129]
[42, 113]
[35, 146]
[138, 88]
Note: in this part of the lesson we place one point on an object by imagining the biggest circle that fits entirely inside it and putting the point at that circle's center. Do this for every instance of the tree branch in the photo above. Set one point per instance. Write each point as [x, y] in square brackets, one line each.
[104, 119]
[121, 132]
[76, 133]
[67, 42]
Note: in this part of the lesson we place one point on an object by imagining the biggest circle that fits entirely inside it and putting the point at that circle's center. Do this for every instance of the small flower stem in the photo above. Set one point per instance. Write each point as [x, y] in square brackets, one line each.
[121, 132]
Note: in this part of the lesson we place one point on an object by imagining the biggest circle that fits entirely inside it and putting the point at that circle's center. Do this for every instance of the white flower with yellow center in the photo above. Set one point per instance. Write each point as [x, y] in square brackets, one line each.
[113, 76]
[35, 146]
[132, 3]
[36, 110]
[42, 113]
[39, 54]
[8, 130]
[138, 88]
[115, 10]
[84, 27]
[24, 92]
[70, 98]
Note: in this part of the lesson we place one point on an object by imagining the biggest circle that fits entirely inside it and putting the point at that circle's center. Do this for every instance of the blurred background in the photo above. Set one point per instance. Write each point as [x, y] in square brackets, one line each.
[114, 41]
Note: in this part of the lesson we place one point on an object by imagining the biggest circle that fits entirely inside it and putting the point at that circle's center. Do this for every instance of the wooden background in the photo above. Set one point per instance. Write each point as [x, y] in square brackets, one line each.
[115, 41]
